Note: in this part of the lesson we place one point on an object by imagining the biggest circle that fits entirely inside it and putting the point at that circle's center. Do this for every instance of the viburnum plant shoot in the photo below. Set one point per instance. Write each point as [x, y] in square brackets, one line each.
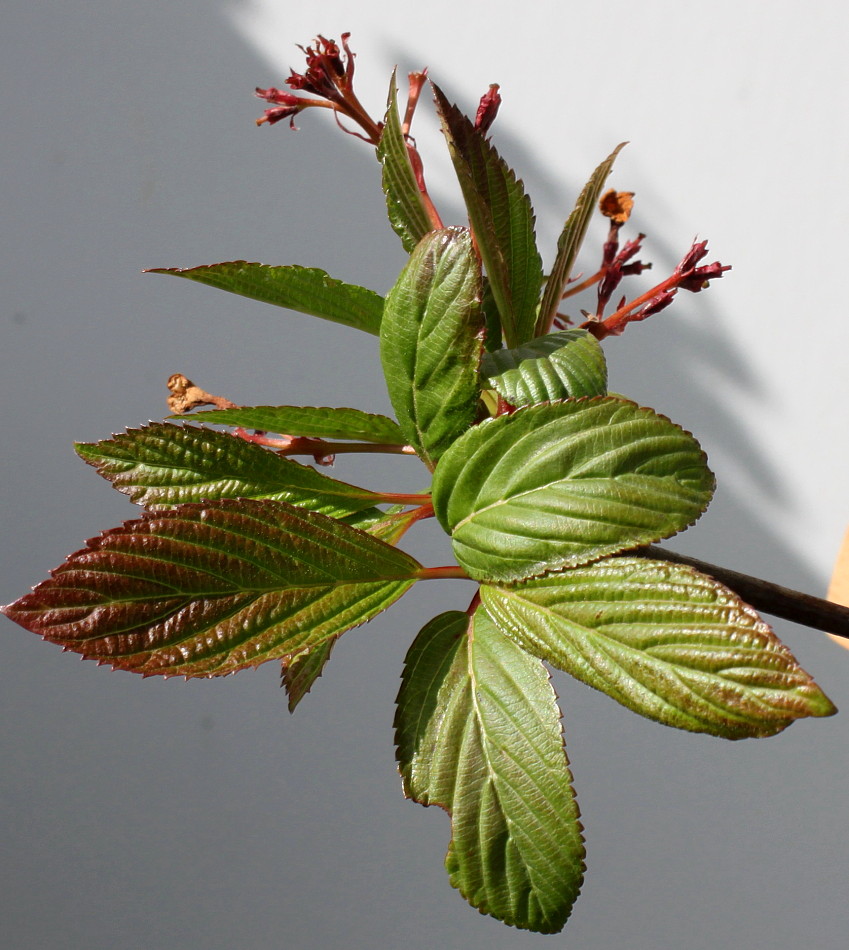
[552, 489]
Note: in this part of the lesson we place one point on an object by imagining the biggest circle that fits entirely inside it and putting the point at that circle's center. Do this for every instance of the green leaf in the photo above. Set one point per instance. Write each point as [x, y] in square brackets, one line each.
[570, 241]
[478, 733]
[492, 318]
[664, 640]
[557, 366]
[319, 422]
[305, 289]
[205, 590]
[404, 203]
[565, 483]
[301, 670]
[502, 220]
[163, 465]
[431, 342]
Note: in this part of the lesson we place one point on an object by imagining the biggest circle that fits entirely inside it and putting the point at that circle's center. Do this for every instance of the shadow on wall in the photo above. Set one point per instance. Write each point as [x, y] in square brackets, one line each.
[684, 364]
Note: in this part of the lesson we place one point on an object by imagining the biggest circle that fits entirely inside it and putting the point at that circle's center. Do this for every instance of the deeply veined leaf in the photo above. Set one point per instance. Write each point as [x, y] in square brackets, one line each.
[570, 241]
[319, 422]
[478, 733]
[163, 465]
[300, 671]
[664, 640]
[305, 289]
[502, 220]
[558, 366]
[205, 590]
[404, 203]
[431, 342]
[564, 483]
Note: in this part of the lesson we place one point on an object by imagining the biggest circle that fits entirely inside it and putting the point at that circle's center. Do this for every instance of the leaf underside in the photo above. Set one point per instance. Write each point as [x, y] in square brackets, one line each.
[478, 733]
[164, 465]
[562, 365]
[565, 483]
[205, 590]
[664, 640]
[308, 290]
[431, 342]
[318, 422]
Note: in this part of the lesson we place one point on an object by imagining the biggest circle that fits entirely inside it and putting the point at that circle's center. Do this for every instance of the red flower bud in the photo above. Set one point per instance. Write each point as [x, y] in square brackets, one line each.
[487, 109]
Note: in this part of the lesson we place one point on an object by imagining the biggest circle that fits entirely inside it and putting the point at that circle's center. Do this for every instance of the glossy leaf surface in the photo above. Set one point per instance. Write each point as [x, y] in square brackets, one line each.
[300, 671]
[570, 241]
[404, 203]
[565, 483]
[431, 342]
[502, 219]
[478, 733]
[558, 366]
[664, 640]
[305, 289]
[320, 422]
[205, 590]
[164, 465]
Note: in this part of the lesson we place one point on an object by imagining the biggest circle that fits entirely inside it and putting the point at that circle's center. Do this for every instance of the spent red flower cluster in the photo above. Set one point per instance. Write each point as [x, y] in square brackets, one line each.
[329, 76]
[328, 79]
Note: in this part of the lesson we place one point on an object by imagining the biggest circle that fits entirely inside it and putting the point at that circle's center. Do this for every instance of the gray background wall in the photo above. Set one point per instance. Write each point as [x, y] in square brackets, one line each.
[148, 814]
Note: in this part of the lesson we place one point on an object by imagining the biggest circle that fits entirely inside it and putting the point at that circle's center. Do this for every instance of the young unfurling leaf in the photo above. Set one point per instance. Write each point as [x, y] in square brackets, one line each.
[502, 219]
[431, 341]
[558, 366]
[405, 206]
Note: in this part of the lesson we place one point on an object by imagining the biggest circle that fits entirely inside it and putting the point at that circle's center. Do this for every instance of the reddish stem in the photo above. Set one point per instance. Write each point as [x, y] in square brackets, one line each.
[320, 448]
[399, 498]
[407, 519]
[610, 325]
[416, 81]
[418, 172]
[596, 277]
[450, 572]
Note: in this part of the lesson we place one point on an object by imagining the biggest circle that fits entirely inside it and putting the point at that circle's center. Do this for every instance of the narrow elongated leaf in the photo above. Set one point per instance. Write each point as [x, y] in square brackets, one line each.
[431, 342]
[205, 590]
[570, 241]
[305, 289]
[664, 640]
[163, 465]
[319, 422]
[404, 203]
[478, 733]
[558, 366]
[565, 483]
[502, 219]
